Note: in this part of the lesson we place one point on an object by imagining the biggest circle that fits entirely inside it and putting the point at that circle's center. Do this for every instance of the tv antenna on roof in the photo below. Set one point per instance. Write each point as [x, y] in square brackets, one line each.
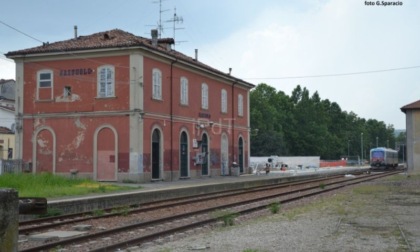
[160, 26]
[176, 20]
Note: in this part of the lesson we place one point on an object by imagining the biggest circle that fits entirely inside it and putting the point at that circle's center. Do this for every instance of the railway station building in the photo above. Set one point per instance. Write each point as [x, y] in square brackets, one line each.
[114, 106]
[412, 115]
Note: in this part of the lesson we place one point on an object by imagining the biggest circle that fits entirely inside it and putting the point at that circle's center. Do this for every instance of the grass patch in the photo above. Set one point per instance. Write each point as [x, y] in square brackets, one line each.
[98, 212]
[227, 217]
[274, 207]
[121, 210]
[370, 189]
[51, 212]
[48, 185]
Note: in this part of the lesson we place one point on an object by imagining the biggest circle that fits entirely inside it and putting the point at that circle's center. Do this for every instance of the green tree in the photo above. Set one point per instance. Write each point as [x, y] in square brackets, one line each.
[306, 125]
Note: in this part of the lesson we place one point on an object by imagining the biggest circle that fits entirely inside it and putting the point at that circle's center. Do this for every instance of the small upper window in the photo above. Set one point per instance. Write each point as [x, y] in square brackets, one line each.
[67, 91]
[224, 101]
[157, 84]
[184, 91]
[106, 81]
[240, 105]
[204, 96]
[45, 79]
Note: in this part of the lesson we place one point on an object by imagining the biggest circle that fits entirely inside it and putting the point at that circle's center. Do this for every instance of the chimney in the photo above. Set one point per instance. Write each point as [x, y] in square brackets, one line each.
[230, 70]
[196, 55]
[75, 31]
[154, 37]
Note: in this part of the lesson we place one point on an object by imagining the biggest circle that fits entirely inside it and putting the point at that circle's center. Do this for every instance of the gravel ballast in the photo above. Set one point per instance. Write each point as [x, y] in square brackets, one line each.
[383, 215]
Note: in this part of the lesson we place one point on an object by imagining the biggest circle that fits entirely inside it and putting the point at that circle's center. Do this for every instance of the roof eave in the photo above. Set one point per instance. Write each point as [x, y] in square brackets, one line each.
[151, 49]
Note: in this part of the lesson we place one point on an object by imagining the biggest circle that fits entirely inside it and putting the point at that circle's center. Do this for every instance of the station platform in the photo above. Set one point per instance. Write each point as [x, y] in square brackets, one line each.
[163, 190]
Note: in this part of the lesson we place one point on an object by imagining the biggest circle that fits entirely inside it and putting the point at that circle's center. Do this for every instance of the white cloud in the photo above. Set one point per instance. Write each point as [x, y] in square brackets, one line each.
[336, 37]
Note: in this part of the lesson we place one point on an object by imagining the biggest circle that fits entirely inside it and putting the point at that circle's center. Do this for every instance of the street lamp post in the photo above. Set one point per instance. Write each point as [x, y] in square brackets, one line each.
[348, 148]
[376, 142]
[361, 145]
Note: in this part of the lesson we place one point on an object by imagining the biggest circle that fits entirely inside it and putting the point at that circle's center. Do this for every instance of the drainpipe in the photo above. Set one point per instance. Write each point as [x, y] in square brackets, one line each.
[233, 121]
[171, 115]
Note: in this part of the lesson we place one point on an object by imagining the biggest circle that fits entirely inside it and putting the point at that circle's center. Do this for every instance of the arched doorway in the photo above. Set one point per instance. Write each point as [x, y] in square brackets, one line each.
[107, 159]
[205, 150]
[156, 154]
[224, 155]
[241, 155]
[183, 148]
[44, 147]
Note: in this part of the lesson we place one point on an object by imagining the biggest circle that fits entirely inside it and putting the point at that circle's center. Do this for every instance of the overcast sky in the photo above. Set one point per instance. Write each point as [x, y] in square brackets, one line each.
[364, 57]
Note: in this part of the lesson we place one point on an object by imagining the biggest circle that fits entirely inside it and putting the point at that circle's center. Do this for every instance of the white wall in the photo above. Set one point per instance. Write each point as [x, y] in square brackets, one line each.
[7, 118]
[291, 162]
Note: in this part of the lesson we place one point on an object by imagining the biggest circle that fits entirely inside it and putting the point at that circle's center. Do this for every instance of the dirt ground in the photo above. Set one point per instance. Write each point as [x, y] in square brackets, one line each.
[383, 215]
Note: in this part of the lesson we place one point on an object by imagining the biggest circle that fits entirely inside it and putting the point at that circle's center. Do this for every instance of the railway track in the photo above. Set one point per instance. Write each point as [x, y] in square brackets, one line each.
[157, 221]
[37, 225]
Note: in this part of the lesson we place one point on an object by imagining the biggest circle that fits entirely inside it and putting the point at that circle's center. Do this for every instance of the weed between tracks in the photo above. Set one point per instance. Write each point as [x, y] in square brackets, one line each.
[226, 216]
[274, 207]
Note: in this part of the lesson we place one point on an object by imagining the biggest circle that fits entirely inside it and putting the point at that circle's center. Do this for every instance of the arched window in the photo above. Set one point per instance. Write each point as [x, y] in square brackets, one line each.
[224, 101]
[157, 84]
[106, 81]
[204, 96]
[184, 91]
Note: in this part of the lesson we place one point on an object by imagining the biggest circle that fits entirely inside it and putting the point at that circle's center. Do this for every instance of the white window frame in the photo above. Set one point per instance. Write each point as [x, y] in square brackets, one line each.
[41, 82]
[106, 83]
[184, 91]
[204, 96]
[156, 84]
[224, 101]
[50, 80]
[240, 105]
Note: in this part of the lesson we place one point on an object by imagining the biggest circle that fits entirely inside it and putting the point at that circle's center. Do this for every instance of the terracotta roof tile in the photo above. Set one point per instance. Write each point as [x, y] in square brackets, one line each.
[412, 106]
[113, 39]
[107, 39]
[4, 130]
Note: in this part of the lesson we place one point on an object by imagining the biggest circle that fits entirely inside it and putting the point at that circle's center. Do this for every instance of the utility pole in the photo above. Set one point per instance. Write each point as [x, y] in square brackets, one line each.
[361, 145]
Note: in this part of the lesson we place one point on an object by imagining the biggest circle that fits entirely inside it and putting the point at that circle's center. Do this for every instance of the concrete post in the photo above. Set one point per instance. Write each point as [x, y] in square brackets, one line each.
[9, 220]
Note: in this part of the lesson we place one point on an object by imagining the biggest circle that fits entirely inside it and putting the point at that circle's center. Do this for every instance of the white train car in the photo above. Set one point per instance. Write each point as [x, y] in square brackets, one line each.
[383, 158]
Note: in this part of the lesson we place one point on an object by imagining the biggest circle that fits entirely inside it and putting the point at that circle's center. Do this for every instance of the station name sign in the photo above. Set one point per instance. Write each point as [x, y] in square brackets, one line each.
[76, 71]
[204, 115]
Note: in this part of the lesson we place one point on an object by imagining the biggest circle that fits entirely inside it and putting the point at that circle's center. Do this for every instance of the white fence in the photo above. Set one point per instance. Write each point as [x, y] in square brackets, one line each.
[257, 163]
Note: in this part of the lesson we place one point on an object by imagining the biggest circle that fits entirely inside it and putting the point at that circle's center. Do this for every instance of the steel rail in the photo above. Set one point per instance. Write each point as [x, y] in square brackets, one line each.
[154, 222]
[148, 237]
[75, 218]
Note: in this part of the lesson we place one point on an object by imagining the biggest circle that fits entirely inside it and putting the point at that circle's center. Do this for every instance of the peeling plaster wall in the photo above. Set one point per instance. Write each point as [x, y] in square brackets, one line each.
[75, 116]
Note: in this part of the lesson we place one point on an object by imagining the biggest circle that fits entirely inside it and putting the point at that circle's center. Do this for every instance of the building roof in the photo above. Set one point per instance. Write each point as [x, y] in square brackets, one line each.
[116, 39]
[8, 108]
[3, 81]
[412, 106]
[4, 130]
